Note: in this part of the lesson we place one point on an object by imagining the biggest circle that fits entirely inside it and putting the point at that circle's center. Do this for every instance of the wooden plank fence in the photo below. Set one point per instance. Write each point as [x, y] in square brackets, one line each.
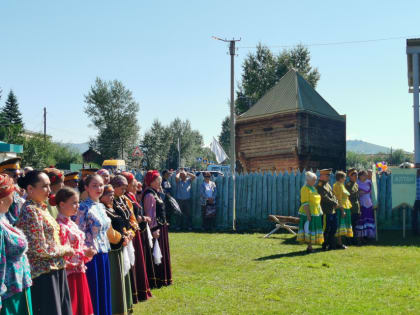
[261, 194]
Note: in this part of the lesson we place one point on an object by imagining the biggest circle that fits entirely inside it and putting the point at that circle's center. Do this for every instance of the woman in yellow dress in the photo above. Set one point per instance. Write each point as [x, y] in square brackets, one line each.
[343, 210]
[310, 214]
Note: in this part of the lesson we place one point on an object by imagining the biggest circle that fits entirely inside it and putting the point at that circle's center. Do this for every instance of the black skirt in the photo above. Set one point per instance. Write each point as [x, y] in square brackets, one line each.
[50, 294]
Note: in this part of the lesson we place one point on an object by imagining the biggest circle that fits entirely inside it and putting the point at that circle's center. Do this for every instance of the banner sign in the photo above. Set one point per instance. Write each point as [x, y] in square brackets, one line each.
[403, 186]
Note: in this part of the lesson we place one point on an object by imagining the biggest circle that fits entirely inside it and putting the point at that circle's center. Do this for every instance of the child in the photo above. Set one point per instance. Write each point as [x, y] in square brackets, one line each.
[93, 220]
[67, 200]
[343, 210]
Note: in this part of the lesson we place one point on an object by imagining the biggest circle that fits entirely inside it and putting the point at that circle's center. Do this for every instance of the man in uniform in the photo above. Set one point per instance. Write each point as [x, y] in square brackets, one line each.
[353, 188]
[11, 167]
[328, 204]
[71, 180]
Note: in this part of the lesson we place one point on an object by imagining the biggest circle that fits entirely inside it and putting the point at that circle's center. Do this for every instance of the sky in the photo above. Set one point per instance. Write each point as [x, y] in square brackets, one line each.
[52, 52]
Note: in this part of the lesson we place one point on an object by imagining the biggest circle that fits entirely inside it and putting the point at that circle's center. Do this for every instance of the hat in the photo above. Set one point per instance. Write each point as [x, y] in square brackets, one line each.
[88, 171]
[55, 175]
[351, 171]
[325, 171]
[150, 177]
[71, 176]
[7, 185]
[10, 164]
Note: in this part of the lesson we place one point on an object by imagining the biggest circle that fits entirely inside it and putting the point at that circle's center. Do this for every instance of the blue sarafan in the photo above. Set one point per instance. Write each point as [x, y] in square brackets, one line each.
[291, 127]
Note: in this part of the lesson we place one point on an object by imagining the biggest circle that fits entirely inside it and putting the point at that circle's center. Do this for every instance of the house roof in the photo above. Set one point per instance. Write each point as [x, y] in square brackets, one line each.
[292, 93]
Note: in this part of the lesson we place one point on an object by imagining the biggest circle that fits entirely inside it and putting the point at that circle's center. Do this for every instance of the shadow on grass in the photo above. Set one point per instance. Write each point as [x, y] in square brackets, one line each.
[386, 237]
[287, 255]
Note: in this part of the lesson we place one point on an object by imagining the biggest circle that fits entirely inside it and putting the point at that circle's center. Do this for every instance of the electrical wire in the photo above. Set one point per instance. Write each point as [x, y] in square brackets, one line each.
[334, 43]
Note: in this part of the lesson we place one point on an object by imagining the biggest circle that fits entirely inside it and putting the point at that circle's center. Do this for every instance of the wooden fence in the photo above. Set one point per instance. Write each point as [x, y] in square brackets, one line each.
[261, 194]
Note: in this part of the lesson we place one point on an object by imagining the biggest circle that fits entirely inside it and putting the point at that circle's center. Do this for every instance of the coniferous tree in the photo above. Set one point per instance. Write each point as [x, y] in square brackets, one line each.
[11, 112]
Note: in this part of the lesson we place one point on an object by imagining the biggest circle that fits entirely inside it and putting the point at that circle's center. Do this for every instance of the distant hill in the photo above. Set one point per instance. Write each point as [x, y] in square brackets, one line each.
[360, 146]
[79, 147]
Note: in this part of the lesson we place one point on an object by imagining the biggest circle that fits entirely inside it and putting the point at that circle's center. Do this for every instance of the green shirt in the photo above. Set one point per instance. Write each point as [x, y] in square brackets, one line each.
[328, 200]
[353, 189]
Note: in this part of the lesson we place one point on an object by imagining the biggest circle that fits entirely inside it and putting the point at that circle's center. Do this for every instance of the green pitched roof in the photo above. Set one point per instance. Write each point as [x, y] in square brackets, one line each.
[292, 93]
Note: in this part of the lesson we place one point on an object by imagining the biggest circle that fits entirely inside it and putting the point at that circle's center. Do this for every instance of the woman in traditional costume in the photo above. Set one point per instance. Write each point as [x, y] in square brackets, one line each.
[310, 214]
[343, 210]
[353, 188]
[124, 207]
[145, 273]
[93, 220]
[57, 182]
[366, 226]
[154, 207]
[105, 175]
[15, 272]
[50, 290]
[67, 200]
[122, 300]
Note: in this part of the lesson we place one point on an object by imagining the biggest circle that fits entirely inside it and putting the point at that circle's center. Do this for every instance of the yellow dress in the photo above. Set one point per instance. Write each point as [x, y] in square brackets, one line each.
[344, 223]
[310, 232]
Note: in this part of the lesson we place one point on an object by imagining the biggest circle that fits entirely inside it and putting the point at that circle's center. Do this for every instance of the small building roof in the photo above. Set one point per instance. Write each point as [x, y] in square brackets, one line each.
[292, 93]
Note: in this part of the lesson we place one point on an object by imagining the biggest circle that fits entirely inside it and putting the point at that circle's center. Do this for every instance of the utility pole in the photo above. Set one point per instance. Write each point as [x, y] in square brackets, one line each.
[45, 124]
[232, 54]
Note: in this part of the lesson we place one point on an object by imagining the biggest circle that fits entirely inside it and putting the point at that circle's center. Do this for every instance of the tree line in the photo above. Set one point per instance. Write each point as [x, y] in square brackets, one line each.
[38, 152]
[365, 161]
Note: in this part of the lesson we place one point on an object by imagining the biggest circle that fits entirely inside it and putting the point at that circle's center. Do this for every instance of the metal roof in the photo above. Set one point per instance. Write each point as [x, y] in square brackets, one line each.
[291, 94]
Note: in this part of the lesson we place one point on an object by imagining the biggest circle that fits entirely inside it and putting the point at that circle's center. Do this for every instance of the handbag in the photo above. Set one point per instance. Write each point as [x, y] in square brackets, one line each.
[210, 211]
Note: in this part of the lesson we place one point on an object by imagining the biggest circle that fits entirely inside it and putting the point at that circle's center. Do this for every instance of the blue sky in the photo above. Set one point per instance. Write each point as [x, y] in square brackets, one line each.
[51, 52]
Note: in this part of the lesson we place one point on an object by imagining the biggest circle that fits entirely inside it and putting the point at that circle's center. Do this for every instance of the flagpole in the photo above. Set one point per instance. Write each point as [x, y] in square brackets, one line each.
[179, 154]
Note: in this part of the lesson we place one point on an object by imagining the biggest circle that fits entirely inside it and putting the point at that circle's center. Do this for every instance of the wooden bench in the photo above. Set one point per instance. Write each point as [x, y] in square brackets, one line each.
[283, 222]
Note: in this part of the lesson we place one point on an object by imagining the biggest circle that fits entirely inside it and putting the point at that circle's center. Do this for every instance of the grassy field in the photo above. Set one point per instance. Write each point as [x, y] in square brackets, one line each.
[246, 274]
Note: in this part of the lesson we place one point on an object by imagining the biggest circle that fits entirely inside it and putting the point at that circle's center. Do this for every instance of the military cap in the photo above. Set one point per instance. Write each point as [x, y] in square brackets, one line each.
[325, 171]
[71, 176]
[351, 171]
[10, 164]
[88, 171]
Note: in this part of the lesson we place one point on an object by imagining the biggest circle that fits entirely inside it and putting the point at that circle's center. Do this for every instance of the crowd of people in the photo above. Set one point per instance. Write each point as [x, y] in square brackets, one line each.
[91, 245]
[330, 215]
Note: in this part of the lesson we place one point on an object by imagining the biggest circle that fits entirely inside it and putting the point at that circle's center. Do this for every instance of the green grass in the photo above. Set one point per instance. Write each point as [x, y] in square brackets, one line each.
[246, 274]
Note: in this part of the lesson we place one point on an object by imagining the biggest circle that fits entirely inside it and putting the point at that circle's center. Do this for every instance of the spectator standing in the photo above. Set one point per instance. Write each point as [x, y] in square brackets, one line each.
[208, 193]
[183, 196]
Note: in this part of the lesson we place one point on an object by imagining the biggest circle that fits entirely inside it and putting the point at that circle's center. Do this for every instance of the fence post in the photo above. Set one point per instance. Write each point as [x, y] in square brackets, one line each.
[286, 209]
[225, 201]
[274, 194]
[279, 180]
[219, 202]
[292, 195]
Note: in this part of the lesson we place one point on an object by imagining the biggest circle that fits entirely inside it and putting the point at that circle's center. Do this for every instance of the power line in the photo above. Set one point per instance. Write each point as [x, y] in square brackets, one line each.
[336, 43]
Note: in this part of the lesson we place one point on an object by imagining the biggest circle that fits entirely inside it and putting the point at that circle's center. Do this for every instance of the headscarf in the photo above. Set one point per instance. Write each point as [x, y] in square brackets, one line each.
[150, 177]
[118, 181]
[102, 171]
[7, 186]
[129, 176]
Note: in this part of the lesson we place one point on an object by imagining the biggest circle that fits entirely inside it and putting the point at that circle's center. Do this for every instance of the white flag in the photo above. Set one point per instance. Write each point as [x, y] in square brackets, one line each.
[217, 149]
